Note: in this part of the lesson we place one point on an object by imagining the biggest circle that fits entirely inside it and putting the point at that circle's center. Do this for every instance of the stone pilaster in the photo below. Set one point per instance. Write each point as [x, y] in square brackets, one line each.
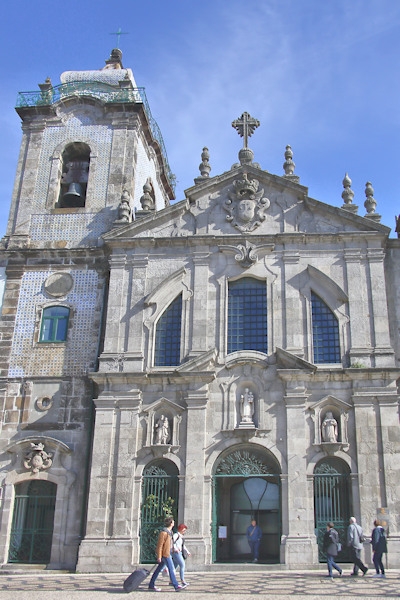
[199, 317]
[112, 531]
[293, 320]
[298, 539]
[359, 323]
[197, 513]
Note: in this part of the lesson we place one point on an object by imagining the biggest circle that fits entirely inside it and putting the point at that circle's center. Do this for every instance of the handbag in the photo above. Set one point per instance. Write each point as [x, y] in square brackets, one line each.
[184, 552]
[339, 547]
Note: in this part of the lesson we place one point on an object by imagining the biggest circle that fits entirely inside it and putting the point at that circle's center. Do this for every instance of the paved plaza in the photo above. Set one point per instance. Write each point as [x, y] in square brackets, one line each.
[227, 585]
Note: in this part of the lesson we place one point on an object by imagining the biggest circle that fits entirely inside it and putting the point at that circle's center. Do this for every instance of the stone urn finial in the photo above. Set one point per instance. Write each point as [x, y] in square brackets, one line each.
[289, 166]
[204, 166]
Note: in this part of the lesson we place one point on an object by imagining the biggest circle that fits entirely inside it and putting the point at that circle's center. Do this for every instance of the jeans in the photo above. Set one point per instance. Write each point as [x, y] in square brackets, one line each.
[377, 560]
[254, 547]
[166, 561]
[330, 561]
[179, 561]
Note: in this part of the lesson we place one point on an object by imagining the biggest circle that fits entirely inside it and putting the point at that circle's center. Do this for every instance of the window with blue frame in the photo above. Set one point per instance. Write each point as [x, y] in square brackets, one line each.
[247, 315]
[54, 324]
[168, 336]
[325, 332]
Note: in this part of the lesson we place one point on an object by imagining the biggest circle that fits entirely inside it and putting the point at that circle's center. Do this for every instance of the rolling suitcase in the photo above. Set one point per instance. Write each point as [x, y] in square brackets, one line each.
[135, 579]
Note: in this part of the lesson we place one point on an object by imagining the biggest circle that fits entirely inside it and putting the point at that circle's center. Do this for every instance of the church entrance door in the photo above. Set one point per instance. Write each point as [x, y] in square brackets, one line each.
[245, 488]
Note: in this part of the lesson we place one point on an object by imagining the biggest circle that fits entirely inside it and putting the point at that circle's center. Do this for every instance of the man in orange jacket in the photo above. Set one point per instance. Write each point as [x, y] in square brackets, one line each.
[163, 552]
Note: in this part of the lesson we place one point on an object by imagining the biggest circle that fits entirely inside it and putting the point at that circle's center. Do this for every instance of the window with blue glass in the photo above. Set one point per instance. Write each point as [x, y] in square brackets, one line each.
[247, 315]
[325, 332]
[168, 336]
[54, 324]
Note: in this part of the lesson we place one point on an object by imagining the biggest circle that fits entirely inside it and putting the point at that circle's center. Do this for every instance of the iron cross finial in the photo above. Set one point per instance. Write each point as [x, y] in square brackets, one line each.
[245, 126]
[118, 34]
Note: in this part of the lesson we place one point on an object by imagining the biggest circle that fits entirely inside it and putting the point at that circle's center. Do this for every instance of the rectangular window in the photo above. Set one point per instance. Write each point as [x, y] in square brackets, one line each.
[247, 315]
[54, 324]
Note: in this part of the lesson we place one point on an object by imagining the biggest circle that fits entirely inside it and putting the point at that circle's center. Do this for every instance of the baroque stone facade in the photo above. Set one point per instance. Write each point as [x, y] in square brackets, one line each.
[234, 354]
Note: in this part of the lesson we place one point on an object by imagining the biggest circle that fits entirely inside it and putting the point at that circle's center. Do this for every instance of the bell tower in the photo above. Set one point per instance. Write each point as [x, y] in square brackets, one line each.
[86, 142]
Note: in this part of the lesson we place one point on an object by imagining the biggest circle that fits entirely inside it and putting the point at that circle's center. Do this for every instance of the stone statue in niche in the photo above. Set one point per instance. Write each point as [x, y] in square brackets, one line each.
[329, 428]
[162, 431]
[247, 406]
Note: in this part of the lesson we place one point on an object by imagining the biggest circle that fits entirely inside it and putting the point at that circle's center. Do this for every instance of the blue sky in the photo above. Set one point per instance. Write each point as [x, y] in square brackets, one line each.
[320, 76]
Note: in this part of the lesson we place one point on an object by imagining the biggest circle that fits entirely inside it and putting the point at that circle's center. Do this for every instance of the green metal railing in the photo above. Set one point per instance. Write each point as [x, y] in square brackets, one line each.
[105, 93]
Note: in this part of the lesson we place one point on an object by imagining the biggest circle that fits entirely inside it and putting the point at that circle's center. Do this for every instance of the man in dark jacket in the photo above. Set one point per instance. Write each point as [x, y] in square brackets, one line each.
[379, 546]
[330, 545]
[254, 535]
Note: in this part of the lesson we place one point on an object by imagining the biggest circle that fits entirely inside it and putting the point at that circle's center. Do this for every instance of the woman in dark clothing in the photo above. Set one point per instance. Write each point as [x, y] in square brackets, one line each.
[379, 546]
[330, 544]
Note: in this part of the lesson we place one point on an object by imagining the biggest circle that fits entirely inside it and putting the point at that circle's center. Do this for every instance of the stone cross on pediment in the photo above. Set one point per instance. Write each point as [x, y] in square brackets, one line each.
[245, 126]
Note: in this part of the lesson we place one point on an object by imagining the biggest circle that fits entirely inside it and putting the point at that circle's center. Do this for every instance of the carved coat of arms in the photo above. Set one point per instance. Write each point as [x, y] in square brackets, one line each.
[245, 204]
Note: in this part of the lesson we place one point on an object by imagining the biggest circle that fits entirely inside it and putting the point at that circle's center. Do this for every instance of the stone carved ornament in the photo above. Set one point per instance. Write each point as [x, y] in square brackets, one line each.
[38, 459]
[245, 204]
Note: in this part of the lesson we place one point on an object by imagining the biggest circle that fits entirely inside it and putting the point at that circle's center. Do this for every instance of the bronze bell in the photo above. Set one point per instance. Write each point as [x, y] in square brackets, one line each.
[74, 197]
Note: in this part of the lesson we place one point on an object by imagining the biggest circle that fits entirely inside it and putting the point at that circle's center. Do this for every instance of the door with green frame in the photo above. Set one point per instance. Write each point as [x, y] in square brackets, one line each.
[33, 521]
[332, 502]
[246, 486]
[160, 492]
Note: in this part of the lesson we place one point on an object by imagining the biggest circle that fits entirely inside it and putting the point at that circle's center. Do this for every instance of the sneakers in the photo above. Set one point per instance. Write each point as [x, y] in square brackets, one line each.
[365, 572]
[181, 587]
[340, 573]
[184, 583]
[154, 589]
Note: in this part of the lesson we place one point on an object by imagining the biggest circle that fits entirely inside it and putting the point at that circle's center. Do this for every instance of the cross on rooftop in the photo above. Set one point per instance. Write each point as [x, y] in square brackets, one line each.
[118, 34]
[245, 126]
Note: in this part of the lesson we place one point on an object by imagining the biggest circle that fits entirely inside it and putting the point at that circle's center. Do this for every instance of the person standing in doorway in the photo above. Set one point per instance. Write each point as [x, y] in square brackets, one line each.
[254, 535]
[331, 547]
[379, 546]
[355, 538]
[163, 552]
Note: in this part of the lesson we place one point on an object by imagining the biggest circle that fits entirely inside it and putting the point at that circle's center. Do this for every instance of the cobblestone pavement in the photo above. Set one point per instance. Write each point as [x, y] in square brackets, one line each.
[227, 585]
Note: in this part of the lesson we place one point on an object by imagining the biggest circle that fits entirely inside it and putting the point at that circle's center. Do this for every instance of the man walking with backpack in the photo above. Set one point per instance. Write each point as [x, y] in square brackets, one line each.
[355, 538]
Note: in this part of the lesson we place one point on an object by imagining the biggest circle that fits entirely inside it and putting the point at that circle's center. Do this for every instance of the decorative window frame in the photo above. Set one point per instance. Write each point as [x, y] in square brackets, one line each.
[337, 301]
[224, 295]
[157, 303]
[40, 308]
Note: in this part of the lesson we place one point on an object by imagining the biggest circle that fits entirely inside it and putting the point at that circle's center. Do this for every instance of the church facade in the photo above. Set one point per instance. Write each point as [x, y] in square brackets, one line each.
[232, 355]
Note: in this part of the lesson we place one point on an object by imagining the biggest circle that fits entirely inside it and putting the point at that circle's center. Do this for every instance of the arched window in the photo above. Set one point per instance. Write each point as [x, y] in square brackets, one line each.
[325, 332]
[247, 315]
[54, 325]
[74, 178]
[168, 336]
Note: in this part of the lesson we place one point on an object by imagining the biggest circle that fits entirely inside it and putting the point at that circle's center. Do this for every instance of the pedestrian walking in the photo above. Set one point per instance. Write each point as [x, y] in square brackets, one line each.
[332, 547]
[254, 535]
[355, 539]
[180, 551]
[163, 553]
[379, 546]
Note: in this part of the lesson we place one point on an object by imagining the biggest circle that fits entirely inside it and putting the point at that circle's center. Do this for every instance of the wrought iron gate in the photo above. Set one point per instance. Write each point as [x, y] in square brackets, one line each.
[159, 500]
[332, 502]
[33, 520]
